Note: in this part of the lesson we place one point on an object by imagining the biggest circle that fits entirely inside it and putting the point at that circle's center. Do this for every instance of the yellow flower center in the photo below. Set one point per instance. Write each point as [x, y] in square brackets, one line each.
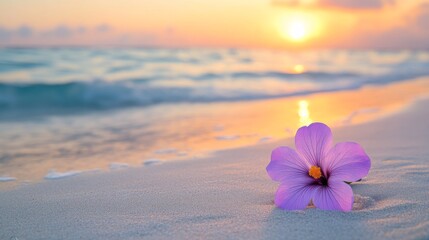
[315, 172]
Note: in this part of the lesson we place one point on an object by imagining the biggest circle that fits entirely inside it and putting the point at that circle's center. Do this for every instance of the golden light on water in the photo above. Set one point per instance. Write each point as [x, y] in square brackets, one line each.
[304, 113]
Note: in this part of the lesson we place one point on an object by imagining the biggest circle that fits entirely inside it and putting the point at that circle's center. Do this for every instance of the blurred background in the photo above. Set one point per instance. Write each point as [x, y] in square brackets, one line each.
[93, 85]
[282, 24]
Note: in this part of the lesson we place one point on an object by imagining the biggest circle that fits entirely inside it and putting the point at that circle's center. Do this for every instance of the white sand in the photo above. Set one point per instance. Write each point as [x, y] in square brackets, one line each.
[230, 196]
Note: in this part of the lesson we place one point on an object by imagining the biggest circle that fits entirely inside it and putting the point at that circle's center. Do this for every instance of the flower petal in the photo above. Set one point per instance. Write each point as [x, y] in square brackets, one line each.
[346, 161]
[286, 165]
[313, 142]
[295, 196]
[336, 196]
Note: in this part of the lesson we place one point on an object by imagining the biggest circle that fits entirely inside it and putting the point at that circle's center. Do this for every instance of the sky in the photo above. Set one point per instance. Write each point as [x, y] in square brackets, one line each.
[288, 24]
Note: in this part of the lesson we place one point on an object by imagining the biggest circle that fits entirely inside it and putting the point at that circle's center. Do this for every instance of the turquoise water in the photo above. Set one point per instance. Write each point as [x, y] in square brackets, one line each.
[61, 80]
[74, 109]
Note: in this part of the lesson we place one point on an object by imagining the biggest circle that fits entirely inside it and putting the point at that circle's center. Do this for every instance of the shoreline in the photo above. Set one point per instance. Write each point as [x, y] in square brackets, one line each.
[230, 194]
[238, 135]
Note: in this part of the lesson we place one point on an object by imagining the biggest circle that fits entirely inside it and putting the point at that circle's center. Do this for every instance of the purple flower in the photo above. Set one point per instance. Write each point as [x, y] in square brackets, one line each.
[317, 171]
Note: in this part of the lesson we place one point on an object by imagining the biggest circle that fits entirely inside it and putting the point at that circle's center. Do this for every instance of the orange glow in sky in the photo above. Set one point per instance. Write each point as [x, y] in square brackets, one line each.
[220, 23]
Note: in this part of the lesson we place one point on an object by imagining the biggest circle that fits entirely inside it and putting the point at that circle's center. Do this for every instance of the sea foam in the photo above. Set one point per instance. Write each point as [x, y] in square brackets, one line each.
[151, 162]
[117, 166]
[52, 174]
[7, 179]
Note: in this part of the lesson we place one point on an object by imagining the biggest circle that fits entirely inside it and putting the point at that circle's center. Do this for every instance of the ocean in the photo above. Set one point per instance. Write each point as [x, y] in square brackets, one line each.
[92, 79]
[65, 111]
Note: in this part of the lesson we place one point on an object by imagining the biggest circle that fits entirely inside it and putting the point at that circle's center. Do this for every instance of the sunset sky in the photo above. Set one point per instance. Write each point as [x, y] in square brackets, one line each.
[289, 24]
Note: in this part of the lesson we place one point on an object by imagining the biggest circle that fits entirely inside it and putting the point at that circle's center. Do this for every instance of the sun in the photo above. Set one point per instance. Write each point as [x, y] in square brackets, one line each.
[298, 28]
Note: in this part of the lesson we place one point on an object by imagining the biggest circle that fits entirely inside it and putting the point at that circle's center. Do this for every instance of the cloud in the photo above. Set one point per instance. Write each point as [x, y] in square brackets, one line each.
[422, 16]
[102, 28]
[64, 31]
[412, 35]
[25, 31]
[5, 34]
[343, 4]
[60, 31]
[81, 29]
[102, 34]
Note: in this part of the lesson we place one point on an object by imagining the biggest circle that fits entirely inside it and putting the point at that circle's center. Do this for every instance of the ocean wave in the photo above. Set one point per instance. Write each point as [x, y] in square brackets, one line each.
[273, 74]
[107, 95]
[76, 95]
[7, 66]
[255, 75]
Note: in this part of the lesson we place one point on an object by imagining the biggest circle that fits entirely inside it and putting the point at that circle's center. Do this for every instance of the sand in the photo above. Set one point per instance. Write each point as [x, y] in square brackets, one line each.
[230, 196]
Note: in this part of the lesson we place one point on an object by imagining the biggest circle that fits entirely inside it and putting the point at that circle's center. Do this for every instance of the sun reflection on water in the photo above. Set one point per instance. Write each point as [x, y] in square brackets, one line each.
[304, 113]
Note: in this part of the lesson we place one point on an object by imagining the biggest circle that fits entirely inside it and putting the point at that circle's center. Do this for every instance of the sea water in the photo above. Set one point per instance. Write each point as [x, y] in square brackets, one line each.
[70, 110]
